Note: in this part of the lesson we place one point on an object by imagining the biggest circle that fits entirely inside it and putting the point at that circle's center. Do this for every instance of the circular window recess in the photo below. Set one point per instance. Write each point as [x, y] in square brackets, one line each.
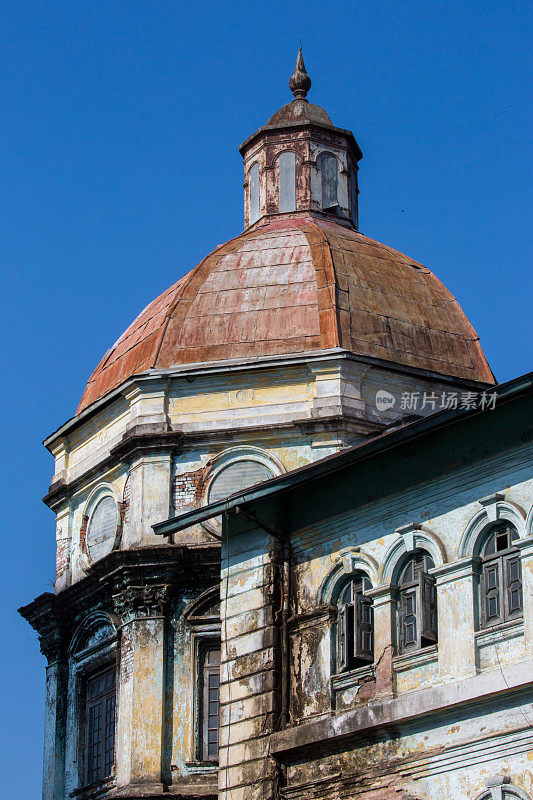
[235, 471]
[102, 528]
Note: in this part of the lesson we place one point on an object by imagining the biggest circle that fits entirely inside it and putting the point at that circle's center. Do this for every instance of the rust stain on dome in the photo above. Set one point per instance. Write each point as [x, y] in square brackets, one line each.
[292, 286]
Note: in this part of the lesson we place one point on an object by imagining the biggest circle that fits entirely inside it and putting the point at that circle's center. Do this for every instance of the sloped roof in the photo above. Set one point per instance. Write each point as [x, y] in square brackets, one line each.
[291, 286]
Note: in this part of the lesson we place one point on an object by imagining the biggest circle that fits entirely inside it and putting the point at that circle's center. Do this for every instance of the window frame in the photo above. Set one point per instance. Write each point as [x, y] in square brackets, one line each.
[421, 590]
[207, 670]
[499, 562]
[332, 208]
[85, 661]
[349, 652]
[287, 181]
[254, 182]
[205, 634]
[84, 722]
[99, 495]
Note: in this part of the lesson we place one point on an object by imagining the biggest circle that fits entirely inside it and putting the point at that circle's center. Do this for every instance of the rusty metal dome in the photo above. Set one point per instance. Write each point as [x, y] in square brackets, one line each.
[295, 285]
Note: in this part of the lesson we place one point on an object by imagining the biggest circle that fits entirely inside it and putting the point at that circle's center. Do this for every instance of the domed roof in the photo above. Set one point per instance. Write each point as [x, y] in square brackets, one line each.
[299, 112]
[295, 285]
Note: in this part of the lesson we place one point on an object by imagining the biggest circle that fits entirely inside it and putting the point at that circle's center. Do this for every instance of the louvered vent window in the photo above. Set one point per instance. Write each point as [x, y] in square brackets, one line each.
[501, 577]
[100, 725]
[102, 528]
[417, 604]
[254, 193]
[237, 476]
[329, 174]
[287, 182]
[355, 625]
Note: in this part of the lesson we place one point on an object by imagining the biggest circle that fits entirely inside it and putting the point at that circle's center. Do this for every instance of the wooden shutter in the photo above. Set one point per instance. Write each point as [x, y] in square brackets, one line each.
[408, 620]
[345, 637]
[364, 629]
[490, 587]
[428, 608]
[513, 581]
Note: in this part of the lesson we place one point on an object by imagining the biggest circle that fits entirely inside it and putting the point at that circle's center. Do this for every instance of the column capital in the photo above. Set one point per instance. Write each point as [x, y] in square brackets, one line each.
[141, 602]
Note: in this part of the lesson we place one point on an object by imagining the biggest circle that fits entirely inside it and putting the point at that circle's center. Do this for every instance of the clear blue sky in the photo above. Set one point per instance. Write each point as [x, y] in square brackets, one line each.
[120, 171]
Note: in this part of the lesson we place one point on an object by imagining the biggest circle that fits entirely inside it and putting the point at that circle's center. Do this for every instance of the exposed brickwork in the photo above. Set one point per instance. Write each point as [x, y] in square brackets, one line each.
[188, 489]
[62, 560]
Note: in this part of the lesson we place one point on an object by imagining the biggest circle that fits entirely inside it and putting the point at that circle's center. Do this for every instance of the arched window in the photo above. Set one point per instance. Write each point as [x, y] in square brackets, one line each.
[203, 617]
[500, 586]
[93, 671]
[236, 476]
[329, 174]
[416, 604]
[353, 197]
[102, 527]
[254, 192]
[287, 182]
[355, 624]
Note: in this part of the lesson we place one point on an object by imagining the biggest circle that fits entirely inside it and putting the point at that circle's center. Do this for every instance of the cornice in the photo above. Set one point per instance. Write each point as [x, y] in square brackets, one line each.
[248, 364]
[149, 577]
[144, 439]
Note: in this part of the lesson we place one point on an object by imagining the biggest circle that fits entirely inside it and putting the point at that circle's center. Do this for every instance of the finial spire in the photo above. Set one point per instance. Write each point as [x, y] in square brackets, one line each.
[300, 82]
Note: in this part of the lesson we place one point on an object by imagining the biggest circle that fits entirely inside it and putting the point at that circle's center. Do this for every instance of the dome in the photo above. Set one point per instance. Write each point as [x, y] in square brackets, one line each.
[299, 112]
[294, 285]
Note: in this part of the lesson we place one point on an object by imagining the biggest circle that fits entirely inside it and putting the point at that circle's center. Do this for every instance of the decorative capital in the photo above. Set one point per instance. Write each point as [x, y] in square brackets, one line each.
[141, 601]
[51, 642]
[300, 82]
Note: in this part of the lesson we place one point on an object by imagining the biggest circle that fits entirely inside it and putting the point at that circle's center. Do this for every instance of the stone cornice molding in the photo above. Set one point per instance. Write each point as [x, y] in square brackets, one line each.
[146, 439]
[475, 690]
[42, 614]
[456, 570]
[55, 617]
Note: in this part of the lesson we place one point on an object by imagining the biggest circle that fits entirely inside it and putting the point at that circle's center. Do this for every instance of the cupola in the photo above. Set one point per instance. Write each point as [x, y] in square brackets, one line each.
[299, 161]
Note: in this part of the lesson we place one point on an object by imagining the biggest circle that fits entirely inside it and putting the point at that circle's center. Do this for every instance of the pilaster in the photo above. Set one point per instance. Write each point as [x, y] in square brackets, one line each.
[526, 550]
[456, 592]
[382, 603]
[141, 686]
[52, 646]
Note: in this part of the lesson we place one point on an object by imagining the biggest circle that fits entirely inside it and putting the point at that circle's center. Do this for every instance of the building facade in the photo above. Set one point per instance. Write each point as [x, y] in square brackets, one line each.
[377, 617]
[294, 341]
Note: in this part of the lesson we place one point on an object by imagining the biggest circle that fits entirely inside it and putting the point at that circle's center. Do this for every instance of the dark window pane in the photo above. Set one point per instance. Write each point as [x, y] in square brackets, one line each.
[490, 547]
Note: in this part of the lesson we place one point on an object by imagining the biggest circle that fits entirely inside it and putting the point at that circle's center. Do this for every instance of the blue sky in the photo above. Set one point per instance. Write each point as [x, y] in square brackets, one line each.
[119, 172]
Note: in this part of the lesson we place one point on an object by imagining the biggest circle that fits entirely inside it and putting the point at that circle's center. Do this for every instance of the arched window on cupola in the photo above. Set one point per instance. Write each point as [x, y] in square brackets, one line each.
[329, 175]
[253, 181]
[287, 182]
